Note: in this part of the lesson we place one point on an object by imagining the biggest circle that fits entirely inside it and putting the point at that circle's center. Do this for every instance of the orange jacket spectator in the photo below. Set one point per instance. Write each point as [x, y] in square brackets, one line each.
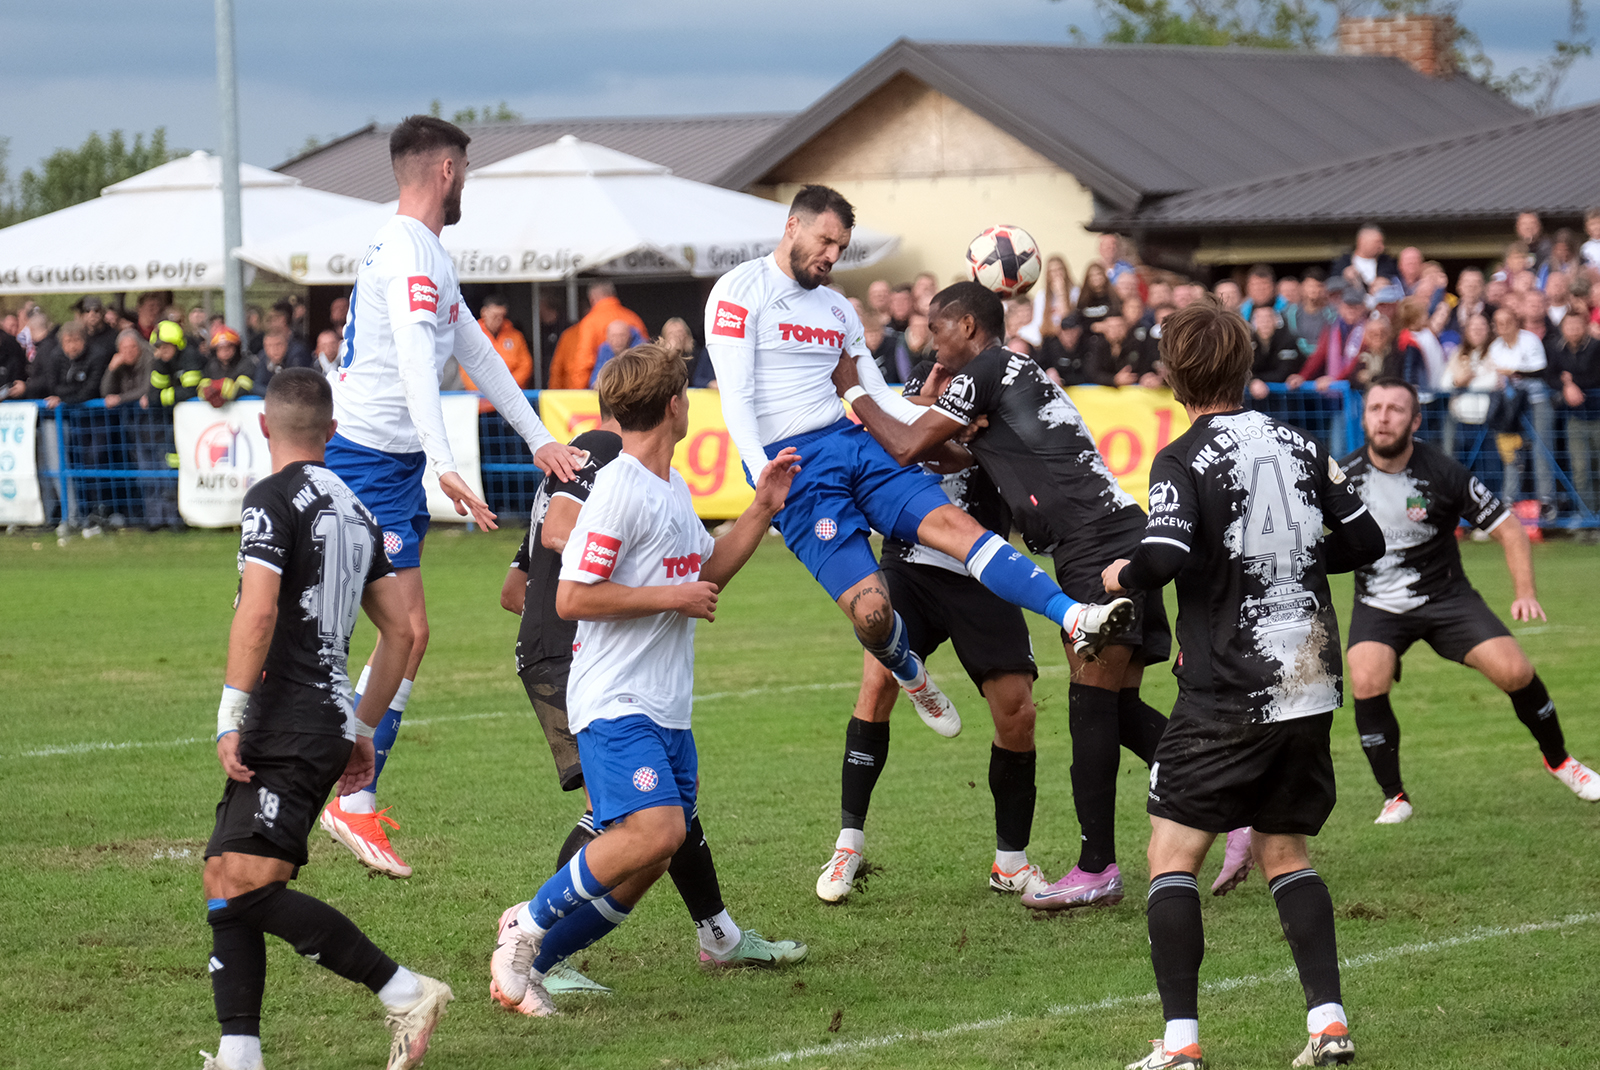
[513, 349]
[573, 363]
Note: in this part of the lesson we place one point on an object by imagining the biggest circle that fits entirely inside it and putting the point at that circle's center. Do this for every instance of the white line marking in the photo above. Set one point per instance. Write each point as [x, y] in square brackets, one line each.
[1228, 984]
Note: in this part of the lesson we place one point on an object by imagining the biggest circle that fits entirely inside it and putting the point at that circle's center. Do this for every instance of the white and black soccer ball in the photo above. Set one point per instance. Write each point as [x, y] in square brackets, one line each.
[1005, 259]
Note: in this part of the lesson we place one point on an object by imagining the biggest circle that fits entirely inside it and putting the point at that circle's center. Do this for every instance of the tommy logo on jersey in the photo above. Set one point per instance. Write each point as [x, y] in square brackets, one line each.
[730, 320]
[682, 566]
[799, 332]
[600, 555]
[424, 294]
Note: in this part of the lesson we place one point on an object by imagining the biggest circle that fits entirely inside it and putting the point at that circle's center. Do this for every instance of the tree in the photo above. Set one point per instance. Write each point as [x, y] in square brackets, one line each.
[72, 176]
[501, 113]
[1298, 24]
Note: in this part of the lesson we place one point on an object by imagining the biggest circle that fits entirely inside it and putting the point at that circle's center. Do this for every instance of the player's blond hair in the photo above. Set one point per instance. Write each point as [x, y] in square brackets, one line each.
[637, 383]
[1207, 352]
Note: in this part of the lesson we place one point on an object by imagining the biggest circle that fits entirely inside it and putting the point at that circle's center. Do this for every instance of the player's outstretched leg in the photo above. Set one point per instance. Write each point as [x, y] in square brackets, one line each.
[1503, 661]
[354, 820]
[722, 943]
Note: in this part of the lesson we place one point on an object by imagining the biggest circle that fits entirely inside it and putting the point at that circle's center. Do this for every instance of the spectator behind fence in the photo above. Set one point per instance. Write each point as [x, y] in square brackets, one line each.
[147, 313]
[128, 372]
[1367, 261]
[507, 341]
[553, 323]
[1472, 375]
[1520, 358]
[281, 317]
[1408, 269]
[1530, 232]
[677, 337]
[68, 375]
[1470, 298]
[916, 345]
[923, 287]
[1577, 363]
[1260, 288]
[275, 348]
[878, 292]
[1113, 254]
[573, 366]
[1228, 293]
[1338, 351]
[1096, 299]
[901, 304]
[1563, 257]
[1288, 293]
[326, 355]
[621, 336]
[1589, 251]
[1311, 315]
[100, 336]
[338, 312]
[1557, 296]
[13, 365]
[1126, 286]
[1424, 353]
[1110, 357]
[174, 377]
[1061, 353]
[38, 338]
[1277, 356]
[1159, 293]
[230, 373]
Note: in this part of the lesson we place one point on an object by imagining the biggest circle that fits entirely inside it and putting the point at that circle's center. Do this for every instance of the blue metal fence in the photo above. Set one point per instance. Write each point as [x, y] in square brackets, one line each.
[117, 466]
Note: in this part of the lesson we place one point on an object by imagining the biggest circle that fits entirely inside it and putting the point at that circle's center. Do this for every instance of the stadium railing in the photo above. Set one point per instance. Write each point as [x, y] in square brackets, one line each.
[110, 465]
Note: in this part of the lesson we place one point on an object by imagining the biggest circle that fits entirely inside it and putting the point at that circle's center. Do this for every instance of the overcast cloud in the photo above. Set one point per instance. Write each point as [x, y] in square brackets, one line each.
[325, 68]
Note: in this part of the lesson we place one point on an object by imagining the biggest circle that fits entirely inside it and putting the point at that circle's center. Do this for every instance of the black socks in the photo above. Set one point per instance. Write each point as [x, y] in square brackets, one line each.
[1139, 724]
[581, 834]
[1380, 738]
[238, 973]
[1093, 719]
[1305, 910]
[1177, 942]
[1536, 710]
[866, 748]
[695, 874]
[1011, 781]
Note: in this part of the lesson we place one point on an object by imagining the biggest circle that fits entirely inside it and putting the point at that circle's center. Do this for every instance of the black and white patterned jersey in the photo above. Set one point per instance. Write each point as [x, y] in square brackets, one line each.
[306, 525]
[1036, 449]
[969, 489]
[543, 635]
[1246, 498]
[1418, 509]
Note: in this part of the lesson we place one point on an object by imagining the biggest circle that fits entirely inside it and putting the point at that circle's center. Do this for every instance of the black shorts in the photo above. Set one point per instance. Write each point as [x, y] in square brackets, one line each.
[546, 684]
[1079, 563]
[1452, 625]
[1217, 776]
[988, 633]
[272, 815]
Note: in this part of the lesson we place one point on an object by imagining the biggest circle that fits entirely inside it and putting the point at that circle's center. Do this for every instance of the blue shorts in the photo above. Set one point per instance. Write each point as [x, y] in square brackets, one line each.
[631, 763]
[390, 486]
[849, 487]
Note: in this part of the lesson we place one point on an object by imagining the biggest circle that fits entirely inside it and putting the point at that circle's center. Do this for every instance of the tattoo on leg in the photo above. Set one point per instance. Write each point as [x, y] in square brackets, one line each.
[875, 619]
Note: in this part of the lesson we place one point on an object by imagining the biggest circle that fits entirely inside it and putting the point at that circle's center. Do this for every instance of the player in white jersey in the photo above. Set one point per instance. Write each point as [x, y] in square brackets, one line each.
[406, 320]
[775, 332]
[637, 571]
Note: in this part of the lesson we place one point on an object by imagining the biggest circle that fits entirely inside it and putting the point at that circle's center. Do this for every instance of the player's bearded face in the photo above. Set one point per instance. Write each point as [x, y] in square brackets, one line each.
[816, 247]
[1389, 438]
[452, 201]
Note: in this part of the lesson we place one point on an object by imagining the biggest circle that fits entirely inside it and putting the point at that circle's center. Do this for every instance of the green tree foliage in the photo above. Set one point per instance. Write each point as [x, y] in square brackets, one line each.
[72, 176]
[501, 113]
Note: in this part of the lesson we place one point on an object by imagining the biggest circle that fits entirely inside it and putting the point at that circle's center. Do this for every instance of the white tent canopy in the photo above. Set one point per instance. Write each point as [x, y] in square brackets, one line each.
[159, 230]
[565, 208]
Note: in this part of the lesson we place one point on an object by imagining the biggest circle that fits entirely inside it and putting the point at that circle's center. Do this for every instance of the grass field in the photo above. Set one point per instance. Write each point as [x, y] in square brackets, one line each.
[1472, 931]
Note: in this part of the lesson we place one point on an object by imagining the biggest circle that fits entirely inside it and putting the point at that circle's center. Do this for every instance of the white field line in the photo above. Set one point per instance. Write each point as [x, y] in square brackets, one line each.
[1228, 984]
[414, 722]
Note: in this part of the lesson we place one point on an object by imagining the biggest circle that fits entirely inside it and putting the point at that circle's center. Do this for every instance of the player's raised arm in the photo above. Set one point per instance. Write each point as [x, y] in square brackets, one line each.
[477, 355]
[923, 439]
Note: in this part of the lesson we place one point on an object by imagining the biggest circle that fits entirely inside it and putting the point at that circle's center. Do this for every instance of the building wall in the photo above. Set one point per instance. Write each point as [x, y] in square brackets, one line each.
[917, 164]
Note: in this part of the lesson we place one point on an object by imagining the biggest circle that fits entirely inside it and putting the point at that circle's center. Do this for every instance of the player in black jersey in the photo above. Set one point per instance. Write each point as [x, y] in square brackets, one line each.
[939, 600]
[1418, 590]
[1237, 508]
[544, 661]
[310, 557]
[1066, 503]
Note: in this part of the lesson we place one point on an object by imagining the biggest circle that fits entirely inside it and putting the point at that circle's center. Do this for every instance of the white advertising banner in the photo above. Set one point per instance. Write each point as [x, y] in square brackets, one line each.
[20, 502]
[461, 429]
[221, 453]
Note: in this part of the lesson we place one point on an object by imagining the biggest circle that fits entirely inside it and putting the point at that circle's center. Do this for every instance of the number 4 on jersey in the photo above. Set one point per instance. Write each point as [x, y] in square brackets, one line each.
[1272, 538]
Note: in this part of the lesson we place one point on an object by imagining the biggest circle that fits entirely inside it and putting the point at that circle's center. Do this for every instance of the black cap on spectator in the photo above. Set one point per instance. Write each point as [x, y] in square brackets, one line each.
[89, 304]
[1071, 321]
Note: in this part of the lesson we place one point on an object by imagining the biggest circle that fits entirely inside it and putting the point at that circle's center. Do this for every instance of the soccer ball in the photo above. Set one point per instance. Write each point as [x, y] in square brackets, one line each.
[1004, 259]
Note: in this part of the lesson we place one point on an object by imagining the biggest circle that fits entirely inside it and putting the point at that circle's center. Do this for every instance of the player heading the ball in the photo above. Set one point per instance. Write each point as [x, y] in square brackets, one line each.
[775, 331]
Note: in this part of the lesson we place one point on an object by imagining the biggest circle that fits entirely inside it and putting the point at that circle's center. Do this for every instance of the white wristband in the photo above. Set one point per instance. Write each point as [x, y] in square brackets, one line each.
[363, 729]
[854, 393]
[230, 711]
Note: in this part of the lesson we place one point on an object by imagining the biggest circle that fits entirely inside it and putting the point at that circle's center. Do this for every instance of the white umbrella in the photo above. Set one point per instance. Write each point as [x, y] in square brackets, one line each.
[564, 208]
[159, 230]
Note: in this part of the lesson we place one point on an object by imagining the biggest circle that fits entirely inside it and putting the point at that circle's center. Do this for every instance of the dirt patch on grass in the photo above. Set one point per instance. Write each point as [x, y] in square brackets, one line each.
[139, 853]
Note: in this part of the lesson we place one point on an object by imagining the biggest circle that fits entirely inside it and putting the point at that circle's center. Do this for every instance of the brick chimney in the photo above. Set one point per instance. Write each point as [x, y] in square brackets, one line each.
[1424, 41]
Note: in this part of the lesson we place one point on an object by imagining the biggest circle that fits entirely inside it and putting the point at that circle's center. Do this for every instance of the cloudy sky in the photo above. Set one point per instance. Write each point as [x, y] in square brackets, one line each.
[324, 68]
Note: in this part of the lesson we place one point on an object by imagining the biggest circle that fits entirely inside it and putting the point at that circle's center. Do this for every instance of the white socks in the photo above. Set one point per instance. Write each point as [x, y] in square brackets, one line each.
[361, 681]
[851, 839]
[1323, 1015]
[402, 990]
[402, 695]
[239, 1052]
[359, 802]
[718, 935]
[1011, 861]
[1181, 1032]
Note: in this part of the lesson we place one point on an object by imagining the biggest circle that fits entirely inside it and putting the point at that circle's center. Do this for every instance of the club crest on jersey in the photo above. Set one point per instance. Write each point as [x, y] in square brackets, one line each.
[645, 779]
[1163, 497]
[730, 319]
[1416, 510]
[423, 293]
[826, 529]
[838, 313]
[392, 543]
[600, 555]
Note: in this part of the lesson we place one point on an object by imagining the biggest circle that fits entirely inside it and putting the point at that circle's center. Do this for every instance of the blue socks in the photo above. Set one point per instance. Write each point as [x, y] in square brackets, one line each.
[1010, 574]
[383, 736]
[578, 930]
[572, 886]
[896, 654]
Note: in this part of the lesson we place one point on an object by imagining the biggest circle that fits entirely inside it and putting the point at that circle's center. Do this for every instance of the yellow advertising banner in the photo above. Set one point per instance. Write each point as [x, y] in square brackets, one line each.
[706, 458]
[1130, 425]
